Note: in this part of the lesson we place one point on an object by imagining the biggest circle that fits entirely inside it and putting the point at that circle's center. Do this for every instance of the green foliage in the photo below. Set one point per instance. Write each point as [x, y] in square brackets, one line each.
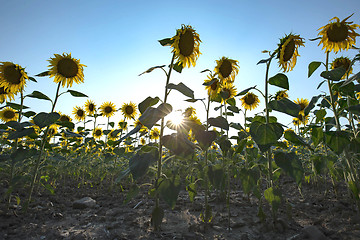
[280, 80]
[285, 105]
[148, 102]
[169, 190]
[220, 122]
[265, 133]
[46, 119]
[182, 88]
[312, 67]
[291, 164]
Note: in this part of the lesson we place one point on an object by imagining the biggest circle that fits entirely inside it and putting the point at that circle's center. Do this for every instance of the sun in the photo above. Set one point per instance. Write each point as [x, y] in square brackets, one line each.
[175, 118]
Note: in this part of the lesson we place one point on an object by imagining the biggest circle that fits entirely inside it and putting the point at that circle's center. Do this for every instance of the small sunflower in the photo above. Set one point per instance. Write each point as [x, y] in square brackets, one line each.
[301, 119]
[281, 94]
[12, 77]
[66, 69]
[250, 101]
[122, 125]
[337, 36]
[303, 103]
[227, 91]
[226, 69]
[344, 62]
[287, 52]
[108, 109]
[97, 133]
[6, 94]
[8, 114]
[155, 134]
[79, 113]
[90, 107]
[129, 110]
[214, 88]
[64, 117]
[185, 45]
[189, 111]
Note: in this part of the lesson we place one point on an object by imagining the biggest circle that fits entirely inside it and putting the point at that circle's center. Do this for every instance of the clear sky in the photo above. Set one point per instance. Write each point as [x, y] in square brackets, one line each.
[118, 40]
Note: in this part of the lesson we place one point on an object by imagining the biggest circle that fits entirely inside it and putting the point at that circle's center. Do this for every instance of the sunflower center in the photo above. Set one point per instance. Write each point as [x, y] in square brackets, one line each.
[64, 119]
[67, 67]
[98, 132]
[108, 109]
[226, 93]
[225, 68]
[129, 110]
[337, 32]
[289, 50]
[250, 100]
[9, 114]
[12, 74]
[186, 43]
[80, 113]
[302, 106]
[214, 86]
[91, 107]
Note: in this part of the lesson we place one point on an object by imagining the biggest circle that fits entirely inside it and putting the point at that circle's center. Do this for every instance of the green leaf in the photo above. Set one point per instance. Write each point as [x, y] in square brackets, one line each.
[15, 106]
[243, 92]
[220, 122]
[169, 190]
[285, 105]
[43, 74]
[216, 176]
[335, 74]
[292, 137]
[312, 67]
[29, 114]
[76, 93]
[249, 178]
[320, 114]
[210, 82]
[157, 216]
[273, 196]
[337, 140]
[182, 88]
[151, 69]
[151, 115]
[205, 138]
[21, 133]
[139, 164]
[45, 119]
[264, 61]
[317, 135]
[38, 95]
[231, 102]
[233, 108]
[311, 105]
[32, 79]
[21, 154]
[280, 80]
[67, 124]
[355, 109]
[148, 102]
[15, 125]
[179, 144]
[166, 41]
[265, 133]
[133, 192]
[291, 164]
[178, 67]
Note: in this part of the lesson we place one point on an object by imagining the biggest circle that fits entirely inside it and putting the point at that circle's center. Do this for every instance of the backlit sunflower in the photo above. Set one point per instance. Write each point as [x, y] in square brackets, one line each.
[186, 46]
[301, 119]
[53, 129]
[79, 113]
[227, 91]
[122, 125]
[281, 94]
[107, 109]
[214, 88]
[303, 103]
[97, 133]
[287, 52]
[64, 117]
[12, 77]
[5, 95]
[66, 69]
[344, 62]
[189, 111]
[129, 110]
[250, 101]
[155, 134]
[90, 107]
[8, 114]
[226, 69]
[337, 36]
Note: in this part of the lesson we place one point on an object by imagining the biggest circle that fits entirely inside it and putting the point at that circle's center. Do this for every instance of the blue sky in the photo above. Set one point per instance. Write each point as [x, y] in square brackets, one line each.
[117, 40]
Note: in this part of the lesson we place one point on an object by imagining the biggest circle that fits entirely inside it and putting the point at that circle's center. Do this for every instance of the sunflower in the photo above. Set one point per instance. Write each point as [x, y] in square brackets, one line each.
[287, 51]
[227, 91]
[142, 141]
[79, 113]
[214, 88]
[12, 77]
[90, 107]
[97, 133]
[129, 110]
[6, 94]
[53, 129]
[8, 114]
[64, 117]
[281, 94]
[122, 125]
[344, 62]
[250, 101]
[107, 109]
[338, 35]
[303, 103]
[66, 69]
[185, 46]
[112, 135]
[301, 119]
[155, 134]
[189, 111]
[226, 69]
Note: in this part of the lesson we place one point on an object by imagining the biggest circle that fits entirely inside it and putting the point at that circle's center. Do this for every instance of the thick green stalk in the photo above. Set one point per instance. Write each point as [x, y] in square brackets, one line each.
[268, 153]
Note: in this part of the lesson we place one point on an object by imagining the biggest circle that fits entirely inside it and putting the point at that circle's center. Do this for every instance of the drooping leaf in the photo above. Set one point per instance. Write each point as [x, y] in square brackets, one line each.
[38, 95]
[220, 122]
[249, 178]
[292, 137]
[285, 105]
[43, 74]
[312, 67]
[335, 74]
[355, 109]
[311, 104]
[157, 216]
[279, 80]
[169, 190]
[45, 119]
[182, 88]
[29, 114]
[317, 135]
[320, 114]
[178, 67]
[139, 164]
[273, 196]
[231, 102]
[148, 102]
[151, 115]
[291, 164]
[205, 138]
[216, 176]
[179, 144]
[32, 79]
[20, 133]
[76, 93]
[352, 78]
[15, 106]
[166, 41]
[243, 92]
[151, 69]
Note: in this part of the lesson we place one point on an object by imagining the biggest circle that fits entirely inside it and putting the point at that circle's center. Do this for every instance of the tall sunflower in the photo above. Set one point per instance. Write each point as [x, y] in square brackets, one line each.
[66, 69]
[8, 114]
[6, 94]
[12, 77]
[287, 51]
[185, 45]
[213, 89]
[97, 133]
[250, 101]
[344, 62]
[90, 107]
[226, 69]
[227, 91]
[129, 110]
[303, 103]
[79, 113]
[108, 109]
[281, 94]
[338, 35]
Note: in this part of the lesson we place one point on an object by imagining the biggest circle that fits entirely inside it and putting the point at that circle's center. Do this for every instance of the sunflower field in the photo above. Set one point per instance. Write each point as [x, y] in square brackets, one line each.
[188, 161]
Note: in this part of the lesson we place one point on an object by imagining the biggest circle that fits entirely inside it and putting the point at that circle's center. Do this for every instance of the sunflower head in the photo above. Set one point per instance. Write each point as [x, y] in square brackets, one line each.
[66, 69]
[129, 110]
[227, 91]
[287, 51]
[338, 35]
[90, 107]
[8, 114]
[189, 111]
[212, 85]
[250, 101]
[155, 134]
[79, 113]
[97, 133]
[343, 62]
[301, 119]
[185, 46]
[107, 109]
[303, 103]
[5, 94]
[12, 77]
[226, 69]
[64, 117]
[281, 94]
